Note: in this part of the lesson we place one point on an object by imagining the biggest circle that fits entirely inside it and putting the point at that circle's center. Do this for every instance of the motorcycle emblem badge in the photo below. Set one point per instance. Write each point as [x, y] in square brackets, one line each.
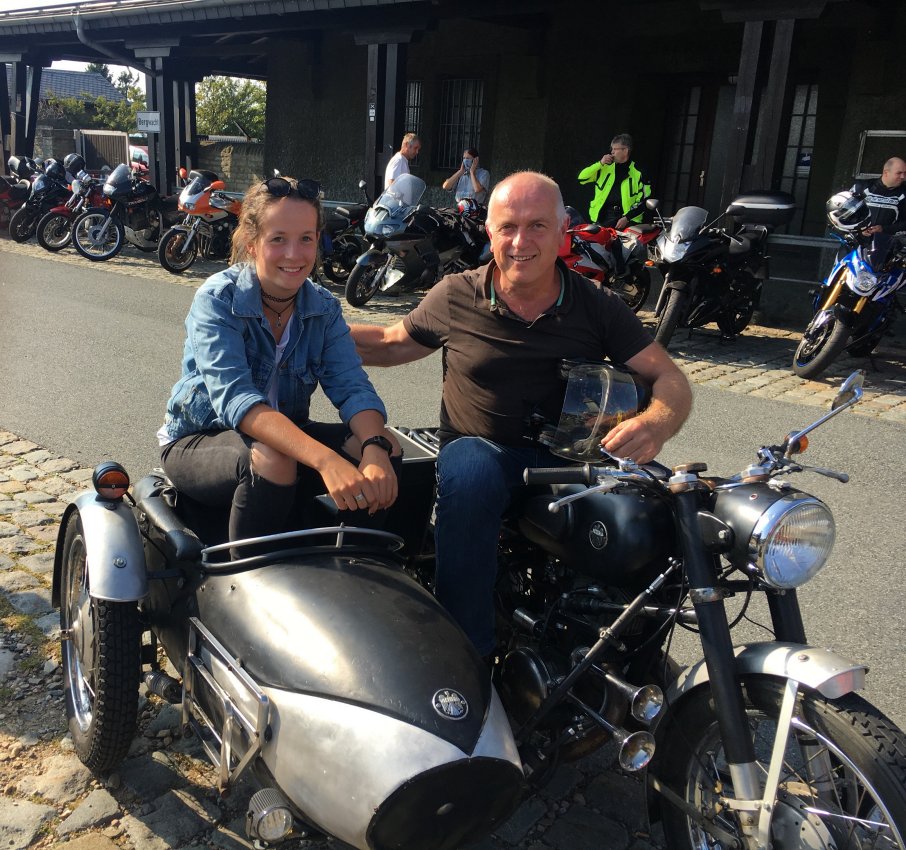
[597, 535]
[450, 704]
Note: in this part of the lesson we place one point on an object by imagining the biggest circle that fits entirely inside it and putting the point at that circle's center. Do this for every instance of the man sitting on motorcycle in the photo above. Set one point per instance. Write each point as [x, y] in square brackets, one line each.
[504, 328]
[886, 198]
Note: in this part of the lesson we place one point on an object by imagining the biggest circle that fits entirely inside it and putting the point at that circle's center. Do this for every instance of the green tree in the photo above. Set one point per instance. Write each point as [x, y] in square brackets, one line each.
[222, 103]
[100, 113]
[100, 68]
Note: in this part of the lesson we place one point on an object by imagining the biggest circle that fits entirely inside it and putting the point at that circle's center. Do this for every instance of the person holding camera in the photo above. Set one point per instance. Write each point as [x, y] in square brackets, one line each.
[469, 181]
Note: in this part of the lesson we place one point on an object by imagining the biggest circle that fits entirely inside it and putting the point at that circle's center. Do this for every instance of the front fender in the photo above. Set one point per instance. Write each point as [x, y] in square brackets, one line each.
[113, 543]
[371, 257]
[813, 667]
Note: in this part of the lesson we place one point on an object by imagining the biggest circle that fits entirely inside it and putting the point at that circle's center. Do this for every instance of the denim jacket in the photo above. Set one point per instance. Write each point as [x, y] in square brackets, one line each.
[228, 362]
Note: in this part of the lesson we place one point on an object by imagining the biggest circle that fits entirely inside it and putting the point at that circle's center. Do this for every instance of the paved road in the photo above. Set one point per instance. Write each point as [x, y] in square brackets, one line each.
[89, 354]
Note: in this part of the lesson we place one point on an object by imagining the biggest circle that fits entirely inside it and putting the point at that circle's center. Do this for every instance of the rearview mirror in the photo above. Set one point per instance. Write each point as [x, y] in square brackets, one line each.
[850, 389]
[652, 203]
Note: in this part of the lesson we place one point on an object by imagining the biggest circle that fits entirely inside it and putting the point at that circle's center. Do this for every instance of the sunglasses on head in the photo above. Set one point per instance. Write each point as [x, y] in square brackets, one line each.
[280, 187]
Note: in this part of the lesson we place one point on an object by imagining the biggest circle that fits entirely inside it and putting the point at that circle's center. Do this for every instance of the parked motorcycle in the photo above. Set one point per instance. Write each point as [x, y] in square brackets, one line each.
[716, 273]
[54, 229]
[137, 214]
[48, 189]
[212, 215]
[327, 670]
[414, 245]
[858, 301]
[589, 250]
[14, 189]
[343, 237]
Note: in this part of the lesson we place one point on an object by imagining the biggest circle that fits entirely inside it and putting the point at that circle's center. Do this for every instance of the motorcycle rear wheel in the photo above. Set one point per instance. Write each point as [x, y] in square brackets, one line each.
[22, 225]
[86, 238]
[364, 281]
[819, 347]
[341, 261]
[171, 254]
[634, 288]
[54, 232]
[859, 799]
[674, 312]
[101, 652]
[743, 300]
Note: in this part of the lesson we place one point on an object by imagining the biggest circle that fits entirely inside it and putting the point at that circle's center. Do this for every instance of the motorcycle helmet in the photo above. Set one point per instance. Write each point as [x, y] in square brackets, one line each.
[575, 217]
[598, 397]
[469, 207]
[847, 212]
[73, 163]
[54, 168]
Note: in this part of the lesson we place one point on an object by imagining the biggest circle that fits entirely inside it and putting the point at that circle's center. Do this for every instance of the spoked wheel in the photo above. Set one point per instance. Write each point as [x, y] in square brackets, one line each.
[101, 661]
[95, 242]
[364, 281]
[673, 315]
[54, 231]
[172, 251]
[824, 339]
[841, 782]
[634, 288]
[22, 225]
[341, 261]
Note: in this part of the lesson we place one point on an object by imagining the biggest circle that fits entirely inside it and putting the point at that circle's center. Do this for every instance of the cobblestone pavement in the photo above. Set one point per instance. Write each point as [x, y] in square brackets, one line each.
[162, 797]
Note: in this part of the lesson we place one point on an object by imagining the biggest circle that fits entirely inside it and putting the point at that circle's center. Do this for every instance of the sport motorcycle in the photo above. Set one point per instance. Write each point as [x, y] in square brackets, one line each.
[318, 663]
[716, 273]
[414, 245]
[49, 188]
[137, 214]
[589, 250]
[212, 214]
[856, 303]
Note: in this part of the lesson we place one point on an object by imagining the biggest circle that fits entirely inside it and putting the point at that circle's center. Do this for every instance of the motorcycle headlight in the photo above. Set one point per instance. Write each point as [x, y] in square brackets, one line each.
[388, 229]
[792, 540]
[188, 205]
[864, 282]
[268, 818]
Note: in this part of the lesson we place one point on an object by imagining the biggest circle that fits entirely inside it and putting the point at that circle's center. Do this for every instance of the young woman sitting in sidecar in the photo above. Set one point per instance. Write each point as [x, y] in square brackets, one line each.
[260, 337]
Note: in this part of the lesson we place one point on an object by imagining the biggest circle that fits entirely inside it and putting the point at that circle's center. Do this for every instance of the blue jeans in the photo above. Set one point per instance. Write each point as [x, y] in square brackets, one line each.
[476, 482]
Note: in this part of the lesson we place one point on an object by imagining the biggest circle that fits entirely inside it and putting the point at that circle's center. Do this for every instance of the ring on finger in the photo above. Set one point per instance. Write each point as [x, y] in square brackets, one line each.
[361, 498]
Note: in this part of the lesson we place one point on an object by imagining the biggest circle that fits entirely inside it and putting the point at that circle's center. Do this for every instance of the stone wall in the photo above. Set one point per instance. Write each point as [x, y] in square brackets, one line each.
[53, 142]
[240, 164]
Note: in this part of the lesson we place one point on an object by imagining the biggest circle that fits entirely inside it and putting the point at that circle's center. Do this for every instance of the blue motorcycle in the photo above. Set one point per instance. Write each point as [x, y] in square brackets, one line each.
[856, 303]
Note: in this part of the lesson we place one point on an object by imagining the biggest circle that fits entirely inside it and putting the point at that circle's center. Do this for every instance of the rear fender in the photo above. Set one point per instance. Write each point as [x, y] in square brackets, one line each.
[116, 557]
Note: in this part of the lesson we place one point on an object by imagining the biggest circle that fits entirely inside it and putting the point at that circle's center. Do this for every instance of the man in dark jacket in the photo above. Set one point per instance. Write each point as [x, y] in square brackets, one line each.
[886, 198]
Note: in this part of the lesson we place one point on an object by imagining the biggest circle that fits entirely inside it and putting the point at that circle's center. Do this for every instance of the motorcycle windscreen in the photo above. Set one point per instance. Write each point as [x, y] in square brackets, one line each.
[686, 223]
[405, 191]
[118, 181]
[598, 397]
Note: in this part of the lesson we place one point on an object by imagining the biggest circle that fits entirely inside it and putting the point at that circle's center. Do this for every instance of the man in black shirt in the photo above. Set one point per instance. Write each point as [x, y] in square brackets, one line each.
[886, 198]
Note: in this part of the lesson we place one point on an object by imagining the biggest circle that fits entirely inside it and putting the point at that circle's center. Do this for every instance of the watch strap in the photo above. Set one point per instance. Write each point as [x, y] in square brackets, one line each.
[378, 440]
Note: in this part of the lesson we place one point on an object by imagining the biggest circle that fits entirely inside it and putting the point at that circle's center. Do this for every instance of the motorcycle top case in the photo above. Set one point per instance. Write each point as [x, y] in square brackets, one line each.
[772, 209]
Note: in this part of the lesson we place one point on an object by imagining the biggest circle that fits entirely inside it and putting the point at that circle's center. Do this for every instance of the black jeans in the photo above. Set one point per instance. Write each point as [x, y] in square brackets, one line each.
[214, 469]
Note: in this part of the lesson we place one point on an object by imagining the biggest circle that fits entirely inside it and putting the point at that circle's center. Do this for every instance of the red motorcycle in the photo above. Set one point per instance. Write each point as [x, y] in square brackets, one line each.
[54, 230]
[15, 188]
[589, 250]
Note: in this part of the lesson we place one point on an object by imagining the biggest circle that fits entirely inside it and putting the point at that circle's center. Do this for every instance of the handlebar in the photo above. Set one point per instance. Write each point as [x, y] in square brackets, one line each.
[584, 474]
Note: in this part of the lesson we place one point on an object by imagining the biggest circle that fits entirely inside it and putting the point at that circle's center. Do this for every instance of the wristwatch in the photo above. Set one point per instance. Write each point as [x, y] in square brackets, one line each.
[378, 440]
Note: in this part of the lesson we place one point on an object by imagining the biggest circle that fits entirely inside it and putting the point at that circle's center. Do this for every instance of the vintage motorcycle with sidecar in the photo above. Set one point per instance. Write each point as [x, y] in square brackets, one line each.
[324, 666]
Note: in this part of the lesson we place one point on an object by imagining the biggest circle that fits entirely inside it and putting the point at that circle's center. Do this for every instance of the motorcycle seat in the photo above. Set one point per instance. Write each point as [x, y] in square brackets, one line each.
[355, 211]
[20, 190]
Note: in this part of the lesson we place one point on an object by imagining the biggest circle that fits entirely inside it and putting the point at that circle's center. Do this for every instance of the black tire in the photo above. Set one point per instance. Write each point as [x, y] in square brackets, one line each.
[823, 340]
[86, 237]
[364, 281]
[743, 300]
[341, 261]
[22, 224]
[171, 244]
[54, 231]
[101, 661]
[672, 316]
[863, 752]
[634, 288]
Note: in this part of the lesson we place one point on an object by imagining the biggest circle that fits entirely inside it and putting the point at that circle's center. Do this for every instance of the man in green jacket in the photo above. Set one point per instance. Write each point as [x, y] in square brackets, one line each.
[620, 188]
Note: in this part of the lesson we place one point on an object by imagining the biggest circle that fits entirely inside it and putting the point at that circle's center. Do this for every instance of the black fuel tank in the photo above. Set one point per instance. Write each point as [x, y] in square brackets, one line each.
[620, 538]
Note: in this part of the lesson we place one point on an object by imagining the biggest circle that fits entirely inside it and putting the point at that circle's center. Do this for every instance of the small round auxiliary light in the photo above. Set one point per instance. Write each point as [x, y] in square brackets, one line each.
[110, 480]
[268, 818]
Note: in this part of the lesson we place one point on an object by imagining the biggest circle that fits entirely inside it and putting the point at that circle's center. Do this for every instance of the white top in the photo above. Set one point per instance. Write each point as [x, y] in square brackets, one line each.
[398, 165]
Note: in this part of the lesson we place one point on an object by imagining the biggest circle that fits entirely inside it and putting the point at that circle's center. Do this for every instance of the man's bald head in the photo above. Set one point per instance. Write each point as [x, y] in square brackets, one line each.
[894, 173]
[526, 182]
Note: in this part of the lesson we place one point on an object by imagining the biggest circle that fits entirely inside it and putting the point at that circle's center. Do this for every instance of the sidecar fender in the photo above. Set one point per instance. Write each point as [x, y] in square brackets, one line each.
[113, 543]
[812, 667]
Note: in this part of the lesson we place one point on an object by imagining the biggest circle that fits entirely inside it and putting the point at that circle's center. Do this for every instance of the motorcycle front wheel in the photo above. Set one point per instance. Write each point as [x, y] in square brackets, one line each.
[53, 231]
[841, 781]
[822, 342]
[22, 225]
[634, 288]
[173, 254]
[101, 650]
[90, 239]
[364, 281]
[673, 314]
[341, 261]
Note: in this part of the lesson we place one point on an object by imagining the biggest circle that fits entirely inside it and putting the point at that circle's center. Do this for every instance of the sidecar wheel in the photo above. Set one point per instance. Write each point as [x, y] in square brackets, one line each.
[364, 281]
[101, 661]
[842, 783]
[819, 347]
[673, 315]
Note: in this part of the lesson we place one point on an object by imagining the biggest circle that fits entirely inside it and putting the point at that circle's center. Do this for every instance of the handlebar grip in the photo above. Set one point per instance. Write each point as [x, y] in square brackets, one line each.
[561, 475]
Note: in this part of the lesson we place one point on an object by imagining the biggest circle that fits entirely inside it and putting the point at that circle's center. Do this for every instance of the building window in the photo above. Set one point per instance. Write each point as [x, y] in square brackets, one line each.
[797, 155]
[413, 122]
[460, 121]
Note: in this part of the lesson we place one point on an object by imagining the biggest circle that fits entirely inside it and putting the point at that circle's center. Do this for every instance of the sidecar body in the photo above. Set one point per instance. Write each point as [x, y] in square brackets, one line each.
[323, 668]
